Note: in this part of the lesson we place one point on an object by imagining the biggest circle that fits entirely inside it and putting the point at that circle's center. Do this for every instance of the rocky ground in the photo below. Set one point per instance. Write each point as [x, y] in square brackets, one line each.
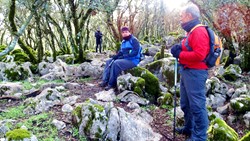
[161, 124]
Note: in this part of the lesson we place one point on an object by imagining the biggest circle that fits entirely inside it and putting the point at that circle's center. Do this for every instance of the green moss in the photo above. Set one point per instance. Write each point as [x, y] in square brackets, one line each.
[220, 131]
[241, 104]
[99, 107]
[246, 137]
[14, 75]
[231, 76]
[139, 86]
[168, 99]
[77, 111]
[209, 108]
[156, 65]
[34, 68]
[18, 134]
[157, 56]
[90, 121]
[69, 60]
[170, 77]
[152, 87]
[98, 134]
[77, 116]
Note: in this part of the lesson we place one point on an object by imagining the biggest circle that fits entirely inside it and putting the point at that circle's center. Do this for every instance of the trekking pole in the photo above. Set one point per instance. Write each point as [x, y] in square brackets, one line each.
[175, 83]
[111, 62]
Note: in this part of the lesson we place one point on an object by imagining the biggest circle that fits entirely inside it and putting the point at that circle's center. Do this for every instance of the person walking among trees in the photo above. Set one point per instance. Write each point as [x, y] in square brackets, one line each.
[127, 57]
[98, 36]
[194, 73]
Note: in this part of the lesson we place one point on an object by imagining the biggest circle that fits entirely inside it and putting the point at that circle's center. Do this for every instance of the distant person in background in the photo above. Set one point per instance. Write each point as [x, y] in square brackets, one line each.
[98, 37]
[128, 57]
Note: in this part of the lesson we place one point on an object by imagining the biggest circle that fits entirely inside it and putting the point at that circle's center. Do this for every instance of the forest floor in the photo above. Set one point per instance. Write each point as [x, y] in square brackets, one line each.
[161, 124]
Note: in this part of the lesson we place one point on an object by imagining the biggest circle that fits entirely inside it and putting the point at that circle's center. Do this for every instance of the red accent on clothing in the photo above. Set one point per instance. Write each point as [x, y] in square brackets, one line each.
[198, 40]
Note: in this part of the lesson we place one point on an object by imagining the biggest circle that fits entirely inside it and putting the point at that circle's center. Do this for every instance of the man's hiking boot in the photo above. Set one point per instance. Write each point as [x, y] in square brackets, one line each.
[183, 131]
[108, 87]
[103, 84]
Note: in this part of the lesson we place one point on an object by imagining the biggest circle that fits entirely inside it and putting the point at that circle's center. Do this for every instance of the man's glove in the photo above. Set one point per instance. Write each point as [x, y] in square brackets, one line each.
[119, 55]
[176, 50]
[115, 57]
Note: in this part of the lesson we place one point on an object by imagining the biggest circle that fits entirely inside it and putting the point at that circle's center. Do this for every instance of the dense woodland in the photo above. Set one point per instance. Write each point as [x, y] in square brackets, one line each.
[51, 28]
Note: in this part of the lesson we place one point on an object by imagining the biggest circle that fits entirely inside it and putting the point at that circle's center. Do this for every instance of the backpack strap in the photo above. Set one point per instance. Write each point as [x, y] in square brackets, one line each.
[186, 43]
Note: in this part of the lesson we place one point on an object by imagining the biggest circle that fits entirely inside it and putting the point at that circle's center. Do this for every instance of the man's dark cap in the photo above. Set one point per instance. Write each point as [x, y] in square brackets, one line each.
[124, 28]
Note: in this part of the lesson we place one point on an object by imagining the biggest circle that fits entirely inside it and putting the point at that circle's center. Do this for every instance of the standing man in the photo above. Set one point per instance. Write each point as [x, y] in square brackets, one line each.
[193, 74]
[127, 57]
[98, 36]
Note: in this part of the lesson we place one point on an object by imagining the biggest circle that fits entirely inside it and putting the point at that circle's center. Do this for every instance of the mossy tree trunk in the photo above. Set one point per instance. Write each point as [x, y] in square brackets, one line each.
[62, 43]
[68, 27]
[28, 50]
[52, 35]
[39, 43]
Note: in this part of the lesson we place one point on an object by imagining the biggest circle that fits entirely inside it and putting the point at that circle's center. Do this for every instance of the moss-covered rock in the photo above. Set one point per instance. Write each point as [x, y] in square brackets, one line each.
[18, 134]
[240, 104]
[166, 99]
[139, 86]
[154, 66]
[34, 68]
[220, 131]
[16, 74]
[157, 56]
[94, 121]
[232, 72]
[246, 137]
[152, 87]
[77, 116]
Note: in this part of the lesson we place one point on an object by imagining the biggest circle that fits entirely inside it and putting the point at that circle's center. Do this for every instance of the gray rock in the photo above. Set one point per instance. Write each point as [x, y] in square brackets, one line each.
[153, 50]
[66, 108]
[240, 91]
[70, 100]
[133, 105]
[45, 105]
[9, 88]
[106, 96]
[223, 109]
[29, 111]
[94, 120]
[129, 96]
[219, 71]
[231, 119]
[216, 100]
[58, 124]
[147, 60]
[72, 86]
[18, 95]
[88, 70]
[163, 89]
[113, 125]
[3, 130]
[230, 92]
[134, 129]
[247, 119]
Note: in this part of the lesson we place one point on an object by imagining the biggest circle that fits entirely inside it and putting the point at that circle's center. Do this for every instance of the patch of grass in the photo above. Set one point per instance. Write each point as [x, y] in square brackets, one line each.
[29, 85]
[13, 113]
[40, 125]
[75, 132]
